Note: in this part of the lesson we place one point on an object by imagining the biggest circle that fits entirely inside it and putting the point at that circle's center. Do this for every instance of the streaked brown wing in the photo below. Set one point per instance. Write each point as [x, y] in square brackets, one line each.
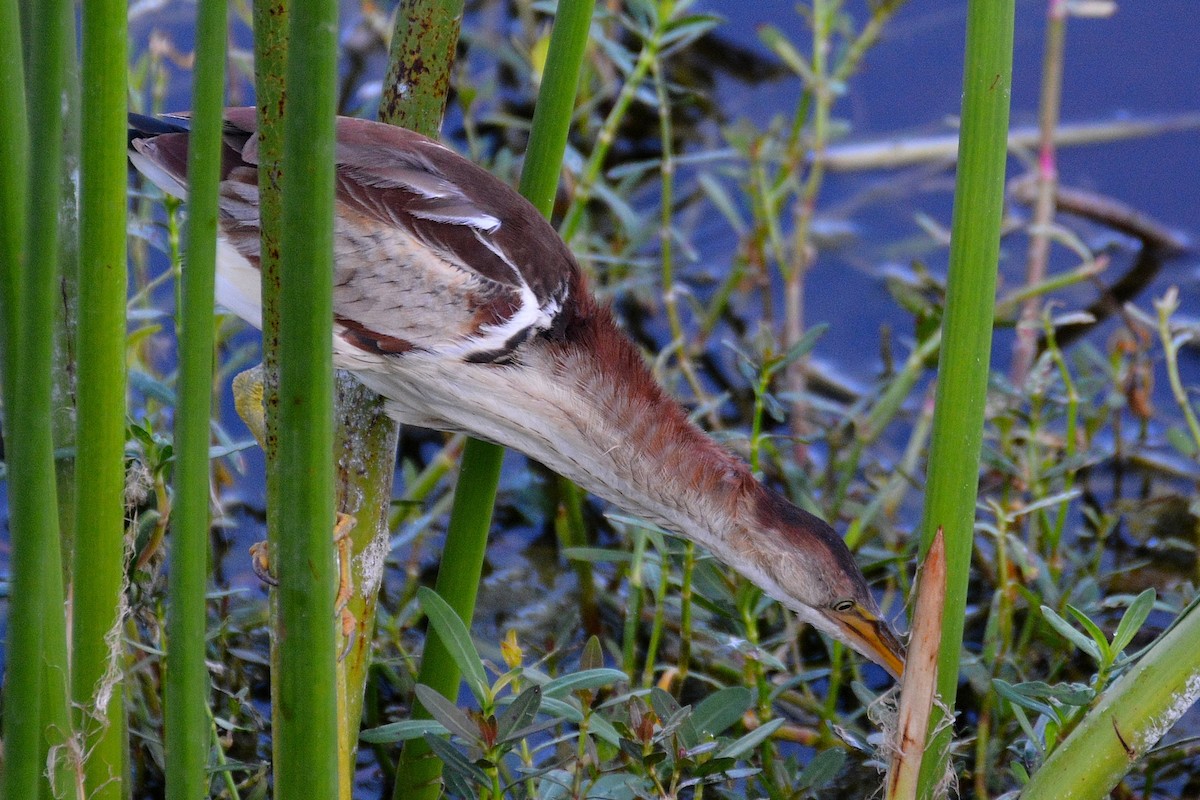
[431, 251]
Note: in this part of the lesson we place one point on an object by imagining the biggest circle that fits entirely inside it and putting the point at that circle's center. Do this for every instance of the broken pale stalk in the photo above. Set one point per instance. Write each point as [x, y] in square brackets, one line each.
[919, 688]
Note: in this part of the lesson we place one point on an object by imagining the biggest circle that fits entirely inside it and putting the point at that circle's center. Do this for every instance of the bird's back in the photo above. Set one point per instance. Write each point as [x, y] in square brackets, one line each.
[433, 254]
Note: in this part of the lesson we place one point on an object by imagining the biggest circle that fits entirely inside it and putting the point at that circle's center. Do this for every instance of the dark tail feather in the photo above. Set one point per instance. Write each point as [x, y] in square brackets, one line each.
[142, 126]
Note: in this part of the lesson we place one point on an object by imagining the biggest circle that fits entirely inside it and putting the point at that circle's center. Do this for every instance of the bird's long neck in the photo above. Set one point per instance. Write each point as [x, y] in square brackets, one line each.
[630, 443]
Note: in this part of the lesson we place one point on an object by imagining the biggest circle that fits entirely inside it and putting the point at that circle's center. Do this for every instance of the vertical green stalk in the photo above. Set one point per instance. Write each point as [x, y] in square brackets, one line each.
[418, 76]
[14, 182]
[953, 478]
[479, 476]
[30, 242]
[187, 715]
[365, 437]
[66, 311]
[59, 745]
[270, 75]
[305, 716]
[556, 103]
[97, 684]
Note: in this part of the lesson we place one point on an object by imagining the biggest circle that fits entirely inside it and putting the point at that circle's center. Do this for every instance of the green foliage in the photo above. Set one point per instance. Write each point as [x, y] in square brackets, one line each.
[645, 742]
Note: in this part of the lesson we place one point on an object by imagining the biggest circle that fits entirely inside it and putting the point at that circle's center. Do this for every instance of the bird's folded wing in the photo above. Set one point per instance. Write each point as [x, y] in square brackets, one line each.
[432, 253]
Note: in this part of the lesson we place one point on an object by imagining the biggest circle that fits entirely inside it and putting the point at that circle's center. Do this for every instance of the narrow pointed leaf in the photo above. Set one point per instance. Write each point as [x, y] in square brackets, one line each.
[717, 712]
[588, 679]
[460, 772]
[1068, 631]
[1094, 631]
[451, 716]
[751, 740]
[458, 642]
[520, 712]
[1132, 621]
[403, 731]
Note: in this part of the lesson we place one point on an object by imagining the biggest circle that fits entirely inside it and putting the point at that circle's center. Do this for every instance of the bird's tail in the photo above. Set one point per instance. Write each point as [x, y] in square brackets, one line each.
[158, 150]
[143, 126]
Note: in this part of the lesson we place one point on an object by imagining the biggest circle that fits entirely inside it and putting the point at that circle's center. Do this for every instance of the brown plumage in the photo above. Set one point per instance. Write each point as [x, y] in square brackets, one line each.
[456, 300]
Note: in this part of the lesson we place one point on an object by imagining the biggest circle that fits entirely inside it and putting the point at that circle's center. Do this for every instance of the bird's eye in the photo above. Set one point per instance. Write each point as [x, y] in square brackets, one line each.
[843, 606]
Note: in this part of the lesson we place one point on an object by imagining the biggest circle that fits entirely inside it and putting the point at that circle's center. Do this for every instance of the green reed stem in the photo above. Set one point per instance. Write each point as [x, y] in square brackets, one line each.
[685, 612]
[633, 612]
[418, 76]
[305, 716]
[659, 620]
[187, 714]
[607, 136]
[14, 183]
[953, 478]
[30, 242]
[270, 75]
[99, 544]
[670, 291]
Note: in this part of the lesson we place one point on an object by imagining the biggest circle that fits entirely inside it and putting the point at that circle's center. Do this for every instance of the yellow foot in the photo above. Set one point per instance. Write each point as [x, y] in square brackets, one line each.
[248, 390]
[260, 562]
[341, 604]
[248, 400]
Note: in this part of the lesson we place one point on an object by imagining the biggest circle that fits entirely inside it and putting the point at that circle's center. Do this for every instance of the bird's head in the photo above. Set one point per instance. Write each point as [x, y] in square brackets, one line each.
[808, 567]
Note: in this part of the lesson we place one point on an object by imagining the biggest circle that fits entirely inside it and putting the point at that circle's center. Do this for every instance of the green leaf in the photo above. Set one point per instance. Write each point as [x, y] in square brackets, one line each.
[1181, 441]
[458, 642]
[664, 705]
[1023, 699]
[802, 347]
[717, 712]
[751, 740]
[773, 407]
[451, 716]
[403, 731]
[604, 729]
[587, 679]
[721, 200]
[824, 767]
[597, 555]
[520, 712]
[747, 369]
[1131, 622]
[562, 709]
[1026, 726]
[682, 32]
[1094, 631]
[151, 387]
[779, 44]
[1068, 632]
[460, 773]
[674, 716]
[593, 654]
[1069, 694]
